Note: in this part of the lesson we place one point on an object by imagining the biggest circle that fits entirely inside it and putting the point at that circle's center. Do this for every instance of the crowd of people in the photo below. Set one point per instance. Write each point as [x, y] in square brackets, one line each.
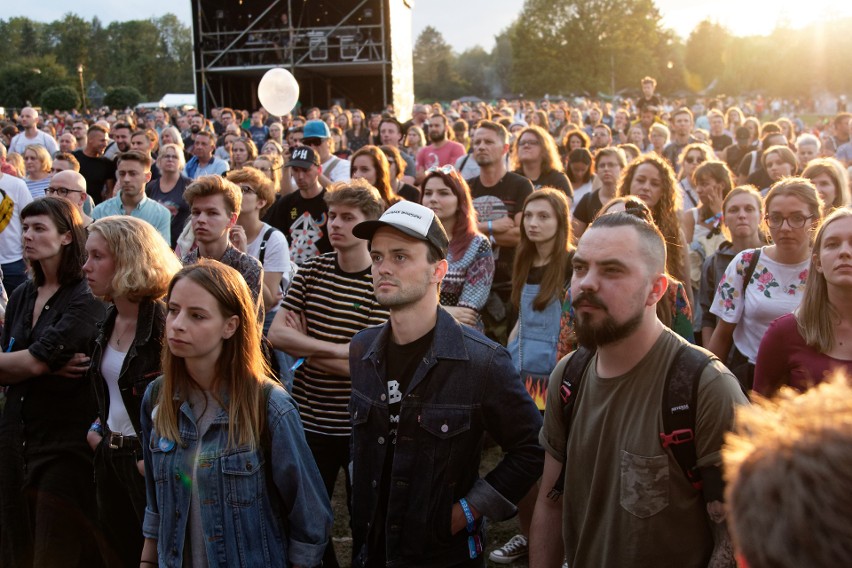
[206, 319]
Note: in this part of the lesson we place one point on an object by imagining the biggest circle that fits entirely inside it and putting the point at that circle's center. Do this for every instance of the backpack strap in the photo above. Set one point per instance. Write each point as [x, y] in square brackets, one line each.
[262, 254]
[749, 269]
[679, 405]
[572, 375]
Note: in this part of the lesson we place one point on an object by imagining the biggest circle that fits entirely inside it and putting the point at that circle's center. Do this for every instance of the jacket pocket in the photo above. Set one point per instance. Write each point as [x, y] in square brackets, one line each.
[445, 422]
[644, 484]
[244, 477]
[359, 409]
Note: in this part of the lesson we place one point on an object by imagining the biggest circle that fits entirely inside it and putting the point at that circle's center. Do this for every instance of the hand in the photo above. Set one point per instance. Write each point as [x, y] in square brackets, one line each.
[459, 522]
[296, 321]
[503, 224]
[76, 367]
[140, 465]
[713, 200]
[717, 511]
[467, 316]
[238, 238]
[93, 439]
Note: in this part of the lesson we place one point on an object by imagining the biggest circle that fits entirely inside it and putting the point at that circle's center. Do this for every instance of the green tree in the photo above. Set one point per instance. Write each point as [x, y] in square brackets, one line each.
[705, 52]
[122, 97]
[435, 75]
[585, 45]
[475, 65]
[23, 81]
[60, 98]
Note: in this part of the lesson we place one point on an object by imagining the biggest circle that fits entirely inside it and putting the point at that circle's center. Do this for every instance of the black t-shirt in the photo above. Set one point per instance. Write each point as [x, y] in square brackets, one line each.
[554, 179]
[505, 198]
[721, 142]
[588, 207]
[303, 222]
[734, 155]
[409, 192]
[173, 201]
[643, 102]
[96, 171]
[402, 362]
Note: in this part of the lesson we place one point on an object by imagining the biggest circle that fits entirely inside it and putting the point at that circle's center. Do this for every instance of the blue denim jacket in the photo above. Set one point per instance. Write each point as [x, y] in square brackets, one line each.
[243, 525]
[464, 386]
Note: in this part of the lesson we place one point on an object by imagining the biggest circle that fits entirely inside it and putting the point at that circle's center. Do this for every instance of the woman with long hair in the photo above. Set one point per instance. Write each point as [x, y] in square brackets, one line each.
[359, 135]
[129, 266]
[581, 173]
[534, 155]
[762, 284]
[803, 348]
[229, 477]
[270, 165]
[243, 152]
[46, 486]
[692, 156]
[399, 187]
[415, 140]
[779, 162]
[831, 181]
[37, 163]
[651, 179]
[470, 259]
[371, 164]
[540, 279]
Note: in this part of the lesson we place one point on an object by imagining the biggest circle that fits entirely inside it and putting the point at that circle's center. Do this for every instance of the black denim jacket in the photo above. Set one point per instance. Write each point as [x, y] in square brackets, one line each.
[141, 364]
[464, 386]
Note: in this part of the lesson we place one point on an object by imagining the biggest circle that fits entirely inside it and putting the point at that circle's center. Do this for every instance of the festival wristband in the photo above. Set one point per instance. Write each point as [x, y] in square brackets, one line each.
[467, 515]
[491, 229]
[96, 427]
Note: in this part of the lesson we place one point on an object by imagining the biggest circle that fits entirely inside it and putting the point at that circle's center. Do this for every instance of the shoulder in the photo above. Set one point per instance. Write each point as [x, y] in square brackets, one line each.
[785, 326]
[278, 401]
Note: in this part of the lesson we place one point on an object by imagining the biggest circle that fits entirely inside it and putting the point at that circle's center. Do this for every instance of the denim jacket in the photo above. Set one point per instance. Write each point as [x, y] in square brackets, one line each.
[244, 524]
[141, 364]
[464, 386]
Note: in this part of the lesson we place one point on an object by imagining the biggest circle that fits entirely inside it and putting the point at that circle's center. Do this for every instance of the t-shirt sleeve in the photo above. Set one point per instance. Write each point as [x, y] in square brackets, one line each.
[294, 300]
[772, 366]
[582, 210]
[479, 276]
[277, 256]
[457, 152]
[552, 436]
[719, 394]
[525, 188]
[728, 302]
[410, 166]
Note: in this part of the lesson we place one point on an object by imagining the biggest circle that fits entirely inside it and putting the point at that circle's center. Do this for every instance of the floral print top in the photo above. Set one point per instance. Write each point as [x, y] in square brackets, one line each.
[773, 290]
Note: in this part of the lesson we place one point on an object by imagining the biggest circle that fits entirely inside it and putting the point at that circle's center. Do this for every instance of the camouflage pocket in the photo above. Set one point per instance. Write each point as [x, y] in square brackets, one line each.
[644, 484]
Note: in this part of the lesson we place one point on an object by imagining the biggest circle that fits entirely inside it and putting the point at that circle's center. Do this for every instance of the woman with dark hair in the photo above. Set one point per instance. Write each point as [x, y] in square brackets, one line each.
[803, 348]
[762, 284]
[48, 512]
[581, 173]
[229, 478]
[692, 156]
[779, 162]
[359, 134]
[470, 273]
[129, 265]
[651, 179]
[574, 139]
[371, 164]
[399, 187]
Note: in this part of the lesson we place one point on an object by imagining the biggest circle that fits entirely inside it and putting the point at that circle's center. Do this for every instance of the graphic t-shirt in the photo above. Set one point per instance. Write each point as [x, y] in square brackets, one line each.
[173, 201]
[431, 156]
[303, 222]
[504, 198]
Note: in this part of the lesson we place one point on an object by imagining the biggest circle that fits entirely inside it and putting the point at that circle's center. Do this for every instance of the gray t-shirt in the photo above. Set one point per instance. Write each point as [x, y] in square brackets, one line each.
[205, 408]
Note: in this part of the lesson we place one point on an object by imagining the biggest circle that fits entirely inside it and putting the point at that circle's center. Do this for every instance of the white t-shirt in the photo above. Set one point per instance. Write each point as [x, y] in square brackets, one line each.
[774, 290]
[11, 249]
[341, 170]
[20, 142]
[118, 419]
[276, 257]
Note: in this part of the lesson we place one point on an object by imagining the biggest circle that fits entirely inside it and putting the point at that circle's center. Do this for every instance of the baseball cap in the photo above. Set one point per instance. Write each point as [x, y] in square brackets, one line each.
[412, 219]
[302, 157]
[316, 129]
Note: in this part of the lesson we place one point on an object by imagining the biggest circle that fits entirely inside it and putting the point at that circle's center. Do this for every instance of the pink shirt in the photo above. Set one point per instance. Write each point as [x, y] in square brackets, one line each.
[430, 156]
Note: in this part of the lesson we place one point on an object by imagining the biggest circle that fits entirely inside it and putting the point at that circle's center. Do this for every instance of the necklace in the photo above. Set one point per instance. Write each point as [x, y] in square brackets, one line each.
[129, 327]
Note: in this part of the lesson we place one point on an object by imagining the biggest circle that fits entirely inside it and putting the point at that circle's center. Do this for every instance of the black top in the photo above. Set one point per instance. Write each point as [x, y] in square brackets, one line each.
[588, 207]
[555, 179]
[49, 415]
[409, 192]
[504, 198]
[96, 171]
[303, 222]
[173, 201]
[721, 142]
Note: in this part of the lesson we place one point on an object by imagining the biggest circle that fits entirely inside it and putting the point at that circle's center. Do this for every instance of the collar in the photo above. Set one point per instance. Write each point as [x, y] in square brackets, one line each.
[448, 342]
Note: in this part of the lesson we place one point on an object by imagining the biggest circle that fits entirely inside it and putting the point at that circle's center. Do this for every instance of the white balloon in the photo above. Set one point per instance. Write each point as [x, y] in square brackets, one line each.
[278, 91]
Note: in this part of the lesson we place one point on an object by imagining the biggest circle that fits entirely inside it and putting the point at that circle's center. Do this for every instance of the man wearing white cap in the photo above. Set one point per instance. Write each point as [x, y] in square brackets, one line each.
[425, 389]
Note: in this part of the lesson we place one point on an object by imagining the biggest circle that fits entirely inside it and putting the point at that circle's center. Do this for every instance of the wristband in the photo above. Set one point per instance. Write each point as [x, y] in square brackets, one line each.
[491, 229]
[467, 515]
[96, 427]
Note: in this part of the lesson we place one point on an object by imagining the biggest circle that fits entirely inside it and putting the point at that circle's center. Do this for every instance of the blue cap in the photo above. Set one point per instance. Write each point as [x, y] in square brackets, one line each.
[316, 129]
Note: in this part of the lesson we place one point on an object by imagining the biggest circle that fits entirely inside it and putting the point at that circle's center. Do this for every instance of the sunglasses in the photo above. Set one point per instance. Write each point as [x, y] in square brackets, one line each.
[447, 169]
[691, 160]
[312, 141]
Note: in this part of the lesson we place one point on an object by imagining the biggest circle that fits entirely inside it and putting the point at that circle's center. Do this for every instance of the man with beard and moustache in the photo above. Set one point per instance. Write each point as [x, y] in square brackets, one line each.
[120, 134]
[625, 499]
[196, 125]
[442, 150]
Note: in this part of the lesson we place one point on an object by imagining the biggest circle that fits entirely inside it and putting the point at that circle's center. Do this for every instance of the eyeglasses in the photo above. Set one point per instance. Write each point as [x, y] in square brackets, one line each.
[247, 189]
[528, 142]
[168, 157]
[794, 221]
[61, 191]
[447, 169]
[312, 141]
[691, 160]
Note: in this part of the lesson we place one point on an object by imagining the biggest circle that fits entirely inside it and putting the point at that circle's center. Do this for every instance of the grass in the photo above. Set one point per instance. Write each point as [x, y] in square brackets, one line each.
[498, 533]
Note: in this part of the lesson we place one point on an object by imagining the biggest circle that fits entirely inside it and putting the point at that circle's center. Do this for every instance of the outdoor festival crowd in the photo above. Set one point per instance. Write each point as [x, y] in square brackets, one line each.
[646, 305]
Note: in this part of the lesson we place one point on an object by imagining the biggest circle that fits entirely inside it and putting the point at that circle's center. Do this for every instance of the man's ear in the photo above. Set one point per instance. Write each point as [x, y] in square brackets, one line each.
[440, 270]
[659, 287]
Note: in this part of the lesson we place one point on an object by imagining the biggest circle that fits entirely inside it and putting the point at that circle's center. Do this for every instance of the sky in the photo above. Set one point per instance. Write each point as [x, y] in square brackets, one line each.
[467, 23]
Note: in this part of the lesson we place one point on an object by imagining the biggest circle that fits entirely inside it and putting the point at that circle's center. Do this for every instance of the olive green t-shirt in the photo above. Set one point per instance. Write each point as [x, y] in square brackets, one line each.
[626, 501]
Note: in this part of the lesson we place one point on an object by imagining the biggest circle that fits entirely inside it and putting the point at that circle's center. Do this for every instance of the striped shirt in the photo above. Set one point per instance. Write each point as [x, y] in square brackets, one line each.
[337, 305]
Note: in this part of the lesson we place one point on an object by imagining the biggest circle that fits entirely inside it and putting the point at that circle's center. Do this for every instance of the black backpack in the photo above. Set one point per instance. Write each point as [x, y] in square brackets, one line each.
[680, 396]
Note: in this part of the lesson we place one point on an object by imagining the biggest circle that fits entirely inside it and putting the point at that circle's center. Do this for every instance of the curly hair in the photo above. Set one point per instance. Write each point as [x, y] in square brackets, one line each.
[550, 161]
[665, 210]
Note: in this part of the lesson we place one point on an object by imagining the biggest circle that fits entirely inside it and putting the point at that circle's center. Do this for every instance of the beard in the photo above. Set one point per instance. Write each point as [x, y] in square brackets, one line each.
[437, 137]
[596, 334]
[195, 129]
